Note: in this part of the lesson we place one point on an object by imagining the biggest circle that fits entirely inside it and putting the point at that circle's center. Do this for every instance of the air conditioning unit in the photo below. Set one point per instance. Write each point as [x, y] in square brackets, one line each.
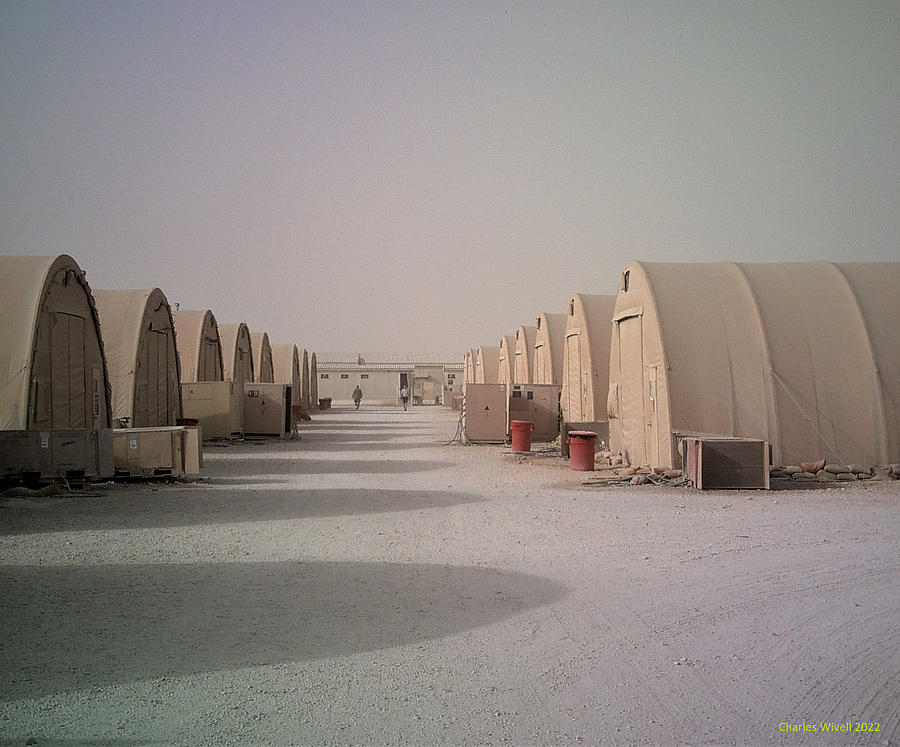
[484, 413]
[538, 403]
[267, 409]
[216, 405]
[716, 462]
[70, 454]
[174, 451]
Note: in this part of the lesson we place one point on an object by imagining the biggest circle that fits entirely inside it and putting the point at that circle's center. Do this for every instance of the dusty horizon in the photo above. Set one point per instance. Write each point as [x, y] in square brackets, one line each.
[359, 177]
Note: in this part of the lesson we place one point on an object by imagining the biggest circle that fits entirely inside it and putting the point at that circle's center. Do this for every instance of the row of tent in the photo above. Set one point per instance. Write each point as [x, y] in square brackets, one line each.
[805, 356]
[73, 358]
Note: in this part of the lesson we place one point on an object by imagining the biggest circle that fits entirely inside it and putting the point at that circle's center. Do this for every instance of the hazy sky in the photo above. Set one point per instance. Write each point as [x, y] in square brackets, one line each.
[428, 176]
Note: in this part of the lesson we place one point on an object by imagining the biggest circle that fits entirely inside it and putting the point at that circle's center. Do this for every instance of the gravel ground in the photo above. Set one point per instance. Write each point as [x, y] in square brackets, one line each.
[371, 584]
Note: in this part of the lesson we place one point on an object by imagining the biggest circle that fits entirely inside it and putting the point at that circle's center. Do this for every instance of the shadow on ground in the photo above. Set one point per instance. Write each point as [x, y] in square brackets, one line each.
[177, 508]
[267, 465]
[68, 628]
[350, 446]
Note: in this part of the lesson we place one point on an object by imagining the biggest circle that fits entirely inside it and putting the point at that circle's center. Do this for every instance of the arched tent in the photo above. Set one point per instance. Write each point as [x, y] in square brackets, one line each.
[524, 354]
[469, 366]
[237, 352]
[304, 393]
[506, 361]
[586, 358]
[549, 344]
[262, 358]
[313, 381]
[53, 372]
[286, 368]
[805, 356]
[199, 347]
[487, 364]
[141, 357]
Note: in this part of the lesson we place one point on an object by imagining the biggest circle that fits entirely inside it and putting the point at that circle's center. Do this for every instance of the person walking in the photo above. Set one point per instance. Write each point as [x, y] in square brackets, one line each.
[404, 395]
[357, 396]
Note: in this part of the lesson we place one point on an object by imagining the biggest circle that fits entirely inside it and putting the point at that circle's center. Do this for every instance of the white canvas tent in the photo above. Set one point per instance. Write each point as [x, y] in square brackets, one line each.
[805, 356]
[549, 347]
[286, 367]
[524, 354]
[487, 364]
[141, 357]
[53, 372]
[262, 358]
[586, 358]
[237, 352]
[506, 362]
[199, 347]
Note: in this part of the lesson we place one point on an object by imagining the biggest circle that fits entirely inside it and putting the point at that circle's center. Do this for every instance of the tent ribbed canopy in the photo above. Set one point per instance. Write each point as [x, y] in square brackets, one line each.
[52, 366]
[305, 385]
[804, 355]
[586, 358]
[237, 352]
[262, 358]
[549, 344]
[469, 365]
[142, 357]
[524, 355]
[313, 381]
[286, 367]
[487, 364]
[199, 347]
[506, 371]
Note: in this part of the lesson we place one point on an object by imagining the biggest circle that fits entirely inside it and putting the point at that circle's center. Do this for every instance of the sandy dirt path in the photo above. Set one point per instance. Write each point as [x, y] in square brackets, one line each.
[370, 584]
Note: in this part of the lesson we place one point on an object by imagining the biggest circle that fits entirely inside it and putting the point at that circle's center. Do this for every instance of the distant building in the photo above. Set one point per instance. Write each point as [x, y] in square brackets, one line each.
[432, 378]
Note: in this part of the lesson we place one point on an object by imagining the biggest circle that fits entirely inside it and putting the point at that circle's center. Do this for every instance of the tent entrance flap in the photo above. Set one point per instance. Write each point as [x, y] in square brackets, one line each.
[573, 378]
[631, 364]
[67, 366]
[650, 407]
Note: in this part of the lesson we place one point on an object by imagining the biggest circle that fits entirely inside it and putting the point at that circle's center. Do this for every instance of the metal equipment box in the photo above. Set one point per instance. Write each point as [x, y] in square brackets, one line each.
[267, 409]
[716, 462]
[152, 452]
[149, 452]
[216, 405]
[193, 450]
[538, 403]
[70, 454]
[484, 413]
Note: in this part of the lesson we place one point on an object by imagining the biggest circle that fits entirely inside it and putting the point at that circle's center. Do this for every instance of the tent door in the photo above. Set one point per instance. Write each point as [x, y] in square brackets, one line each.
[573, 379]
[537, 366]
[208, 360]
[631, 367]
[161, 400]
[153, 396]
[69, 383]
[98, 398]
[650, 412]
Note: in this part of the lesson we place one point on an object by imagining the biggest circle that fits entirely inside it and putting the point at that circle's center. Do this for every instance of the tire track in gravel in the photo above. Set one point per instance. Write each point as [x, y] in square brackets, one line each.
[674, 691]
[822, 647]
[865, 684]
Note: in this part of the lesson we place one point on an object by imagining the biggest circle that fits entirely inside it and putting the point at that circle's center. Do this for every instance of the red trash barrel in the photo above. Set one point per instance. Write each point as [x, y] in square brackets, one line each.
[581, 450]
[521, 434]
